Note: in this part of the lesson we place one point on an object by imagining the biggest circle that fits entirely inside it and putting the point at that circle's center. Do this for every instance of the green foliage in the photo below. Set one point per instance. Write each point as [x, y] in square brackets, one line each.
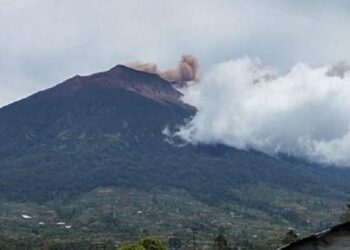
[152, 244]
[346, 216]
[145, 244]
[132, 247]
[221, 242]
[290, 237]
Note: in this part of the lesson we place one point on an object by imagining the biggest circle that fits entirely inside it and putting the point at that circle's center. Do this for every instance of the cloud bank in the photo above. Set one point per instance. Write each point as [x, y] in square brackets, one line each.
[248, 105]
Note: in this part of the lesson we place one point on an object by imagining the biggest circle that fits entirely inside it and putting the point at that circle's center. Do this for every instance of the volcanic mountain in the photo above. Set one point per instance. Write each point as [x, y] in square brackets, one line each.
[105, 130]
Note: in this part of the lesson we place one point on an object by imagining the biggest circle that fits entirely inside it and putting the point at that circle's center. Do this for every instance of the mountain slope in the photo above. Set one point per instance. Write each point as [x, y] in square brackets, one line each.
[86, 120]
[106, 130]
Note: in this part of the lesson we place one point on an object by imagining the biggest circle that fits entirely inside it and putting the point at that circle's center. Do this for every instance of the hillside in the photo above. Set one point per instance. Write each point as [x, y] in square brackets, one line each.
[105, 130]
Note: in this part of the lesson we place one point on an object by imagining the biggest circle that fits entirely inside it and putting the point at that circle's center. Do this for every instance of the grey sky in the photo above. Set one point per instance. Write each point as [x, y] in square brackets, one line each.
[44, 42]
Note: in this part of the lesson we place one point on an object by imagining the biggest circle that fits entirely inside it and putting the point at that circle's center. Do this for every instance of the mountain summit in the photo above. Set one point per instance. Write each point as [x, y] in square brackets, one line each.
[142, 83]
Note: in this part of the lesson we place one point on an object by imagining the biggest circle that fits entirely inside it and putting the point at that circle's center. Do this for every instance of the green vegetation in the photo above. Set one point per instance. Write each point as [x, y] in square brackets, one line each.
[145, 244]
[346, 216]
[124, 215]
[290, 237]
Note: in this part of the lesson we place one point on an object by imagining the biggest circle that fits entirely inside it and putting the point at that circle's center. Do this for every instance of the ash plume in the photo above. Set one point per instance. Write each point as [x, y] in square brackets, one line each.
[146, 67]
[187, 70]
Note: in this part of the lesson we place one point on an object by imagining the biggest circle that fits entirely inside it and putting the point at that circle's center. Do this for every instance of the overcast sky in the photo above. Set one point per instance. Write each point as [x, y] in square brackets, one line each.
[44, 42]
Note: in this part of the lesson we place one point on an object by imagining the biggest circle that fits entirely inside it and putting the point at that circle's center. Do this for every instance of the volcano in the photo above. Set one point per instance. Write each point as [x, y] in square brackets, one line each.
[106, 130]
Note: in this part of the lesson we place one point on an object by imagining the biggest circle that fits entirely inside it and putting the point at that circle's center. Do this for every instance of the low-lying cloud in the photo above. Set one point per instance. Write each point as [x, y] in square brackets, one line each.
[248, 105]
[186, 71]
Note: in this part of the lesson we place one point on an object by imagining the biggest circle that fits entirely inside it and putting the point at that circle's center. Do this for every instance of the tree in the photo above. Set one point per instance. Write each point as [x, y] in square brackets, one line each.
[132, 247]
[221, 242]
[290, 237]
[145, 244]
[346, 216]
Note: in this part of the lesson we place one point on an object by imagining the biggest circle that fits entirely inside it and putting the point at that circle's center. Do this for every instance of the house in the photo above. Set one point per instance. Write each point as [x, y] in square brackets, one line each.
[334, 238]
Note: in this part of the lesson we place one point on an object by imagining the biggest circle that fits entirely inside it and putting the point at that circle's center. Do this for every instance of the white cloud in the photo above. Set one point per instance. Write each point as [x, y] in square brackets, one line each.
[44, 42]
[247, 105]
